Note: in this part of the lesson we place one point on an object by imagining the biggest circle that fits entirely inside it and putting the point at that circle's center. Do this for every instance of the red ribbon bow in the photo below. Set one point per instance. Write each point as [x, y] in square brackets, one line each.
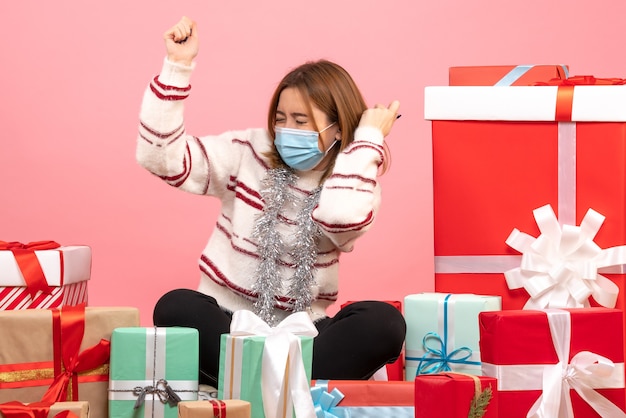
[29, 265]
[17, 409]
[68, 330]
[565, 93]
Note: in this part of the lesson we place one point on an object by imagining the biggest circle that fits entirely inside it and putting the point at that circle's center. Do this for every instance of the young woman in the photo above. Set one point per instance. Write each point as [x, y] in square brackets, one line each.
[293, 197]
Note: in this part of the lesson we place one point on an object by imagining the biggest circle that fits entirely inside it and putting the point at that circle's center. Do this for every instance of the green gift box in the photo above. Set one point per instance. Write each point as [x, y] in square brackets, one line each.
[442, 332]
[241, 368]
[151, 370]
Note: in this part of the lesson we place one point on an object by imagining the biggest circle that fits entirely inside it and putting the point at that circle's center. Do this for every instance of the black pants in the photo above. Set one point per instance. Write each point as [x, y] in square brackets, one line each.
[352, 345]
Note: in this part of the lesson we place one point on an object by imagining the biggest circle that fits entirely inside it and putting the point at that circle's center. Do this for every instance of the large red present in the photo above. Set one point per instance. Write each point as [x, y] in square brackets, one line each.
[363, 398]
[557, 361]
[43, 274]
[55, 355]
[501, 152]
[455, 395]
[504, 75]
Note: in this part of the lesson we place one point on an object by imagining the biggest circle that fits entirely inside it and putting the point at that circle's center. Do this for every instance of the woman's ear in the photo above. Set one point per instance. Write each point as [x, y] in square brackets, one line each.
[338, 135]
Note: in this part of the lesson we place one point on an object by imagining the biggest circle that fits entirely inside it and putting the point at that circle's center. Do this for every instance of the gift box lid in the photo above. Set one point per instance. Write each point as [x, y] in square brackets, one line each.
[507, 75]
[63, 265]
[590, 103]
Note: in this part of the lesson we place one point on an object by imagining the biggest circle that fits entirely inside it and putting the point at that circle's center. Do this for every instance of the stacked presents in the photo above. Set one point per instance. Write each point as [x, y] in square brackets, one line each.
[539, 168]
[527, 317]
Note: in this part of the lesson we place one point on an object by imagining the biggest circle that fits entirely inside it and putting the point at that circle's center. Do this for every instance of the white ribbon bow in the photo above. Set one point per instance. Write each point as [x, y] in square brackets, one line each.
[282, 362]
[585, 370]
[559, 269]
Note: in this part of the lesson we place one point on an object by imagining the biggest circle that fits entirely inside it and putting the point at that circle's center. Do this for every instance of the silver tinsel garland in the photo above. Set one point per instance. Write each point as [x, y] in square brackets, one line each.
[276, 193]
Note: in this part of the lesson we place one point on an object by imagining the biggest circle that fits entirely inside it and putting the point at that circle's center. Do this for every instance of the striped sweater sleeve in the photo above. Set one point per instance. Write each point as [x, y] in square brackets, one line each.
[163, 146]
[350, 197]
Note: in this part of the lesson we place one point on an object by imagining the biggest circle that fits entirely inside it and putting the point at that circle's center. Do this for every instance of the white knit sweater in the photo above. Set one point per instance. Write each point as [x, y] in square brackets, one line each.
[231, 167]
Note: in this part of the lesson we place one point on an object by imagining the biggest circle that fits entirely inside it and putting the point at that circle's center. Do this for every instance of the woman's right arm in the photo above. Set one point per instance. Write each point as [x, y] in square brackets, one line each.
[163, 146]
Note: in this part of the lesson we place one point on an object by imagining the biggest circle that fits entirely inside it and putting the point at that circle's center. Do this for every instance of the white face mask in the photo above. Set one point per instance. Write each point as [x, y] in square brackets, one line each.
[299, 148]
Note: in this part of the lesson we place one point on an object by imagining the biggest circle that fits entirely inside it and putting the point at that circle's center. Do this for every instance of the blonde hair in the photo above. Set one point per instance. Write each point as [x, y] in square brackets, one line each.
[332, 90]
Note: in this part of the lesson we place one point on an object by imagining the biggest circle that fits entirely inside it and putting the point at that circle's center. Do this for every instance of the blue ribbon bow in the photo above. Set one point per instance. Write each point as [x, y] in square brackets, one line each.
[325, 403]
[437, 360]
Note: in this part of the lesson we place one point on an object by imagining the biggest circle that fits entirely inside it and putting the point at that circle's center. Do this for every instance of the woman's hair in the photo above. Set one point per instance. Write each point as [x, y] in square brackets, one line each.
[331, 89]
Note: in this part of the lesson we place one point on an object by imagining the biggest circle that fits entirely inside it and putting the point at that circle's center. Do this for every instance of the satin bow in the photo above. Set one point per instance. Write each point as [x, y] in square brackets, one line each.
[581, 80]
[585, 369]
[437, 360]
[282, 366]
[559, 269]
[69, 326]
[28, 263]
[325, 402]
[17, 409]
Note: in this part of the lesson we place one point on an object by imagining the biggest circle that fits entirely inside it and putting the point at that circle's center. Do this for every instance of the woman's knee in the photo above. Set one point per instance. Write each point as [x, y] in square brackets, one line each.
[179, 306]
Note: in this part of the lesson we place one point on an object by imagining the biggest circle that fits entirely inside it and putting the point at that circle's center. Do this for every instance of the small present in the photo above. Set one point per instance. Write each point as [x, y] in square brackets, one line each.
[270, 367]
[61, 354]
[455, 395]
[561, 362]
[152, 369]
[505, 75]
[17, 409]
[230, 408]
[43, 275]
[395, 370]
[442, 332]
[363, 398]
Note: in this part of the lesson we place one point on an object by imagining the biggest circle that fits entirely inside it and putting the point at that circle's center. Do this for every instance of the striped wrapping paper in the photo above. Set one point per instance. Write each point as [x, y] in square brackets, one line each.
[67, 270]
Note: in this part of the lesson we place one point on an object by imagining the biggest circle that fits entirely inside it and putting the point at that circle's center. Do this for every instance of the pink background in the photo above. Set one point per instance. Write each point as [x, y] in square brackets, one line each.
[73, 74]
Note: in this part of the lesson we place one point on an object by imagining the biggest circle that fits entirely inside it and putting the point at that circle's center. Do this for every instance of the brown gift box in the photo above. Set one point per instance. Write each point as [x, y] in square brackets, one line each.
[81, 409]
[27, 354]
[235, 408]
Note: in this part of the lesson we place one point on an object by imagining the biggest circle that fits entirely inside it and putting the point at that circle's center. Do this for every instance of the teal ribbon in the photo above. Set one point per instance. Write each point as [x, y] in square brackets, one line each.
[325, 403]
[437, 360]
[514, 75]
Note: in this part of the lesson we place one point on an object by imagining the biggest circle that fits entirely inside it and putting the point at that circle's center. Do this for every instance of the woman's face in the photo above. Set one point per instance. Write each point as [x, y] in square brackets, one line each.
[292, 112]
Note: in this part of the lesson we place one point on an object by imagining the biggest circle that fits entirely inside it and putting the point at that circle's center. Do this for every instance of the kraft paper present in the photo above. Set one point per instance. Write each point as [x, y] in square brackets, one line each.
[499, 153]
[147, 365]
[364, 398]
[43, 410]
[255, 358]
[61, 274]
[230, 408]
[442, 332]
[555, 355]
[29, 355]
[453, 395]
[505, 75]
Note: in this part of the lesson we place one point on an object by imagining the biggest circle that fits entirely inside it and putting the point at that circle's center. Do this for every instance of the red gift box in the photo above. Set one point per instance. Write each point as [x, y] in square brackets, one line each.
[395, 370]
[499, 153]
[366, 398]
[510, 75]
[451, 395]
[43, 275]
[523, 348]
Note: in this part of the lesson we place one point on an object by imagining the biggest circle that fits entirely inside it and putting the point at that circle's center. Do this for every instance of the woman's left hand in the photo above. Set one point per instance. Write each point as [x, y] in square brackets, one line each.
[381, 117]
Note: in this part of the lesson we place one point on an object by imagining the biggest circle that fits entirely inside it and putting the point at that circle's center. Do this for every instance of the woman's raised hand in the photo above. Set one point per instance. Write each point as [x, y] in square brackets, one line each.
[381, 117]
[181, 41]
